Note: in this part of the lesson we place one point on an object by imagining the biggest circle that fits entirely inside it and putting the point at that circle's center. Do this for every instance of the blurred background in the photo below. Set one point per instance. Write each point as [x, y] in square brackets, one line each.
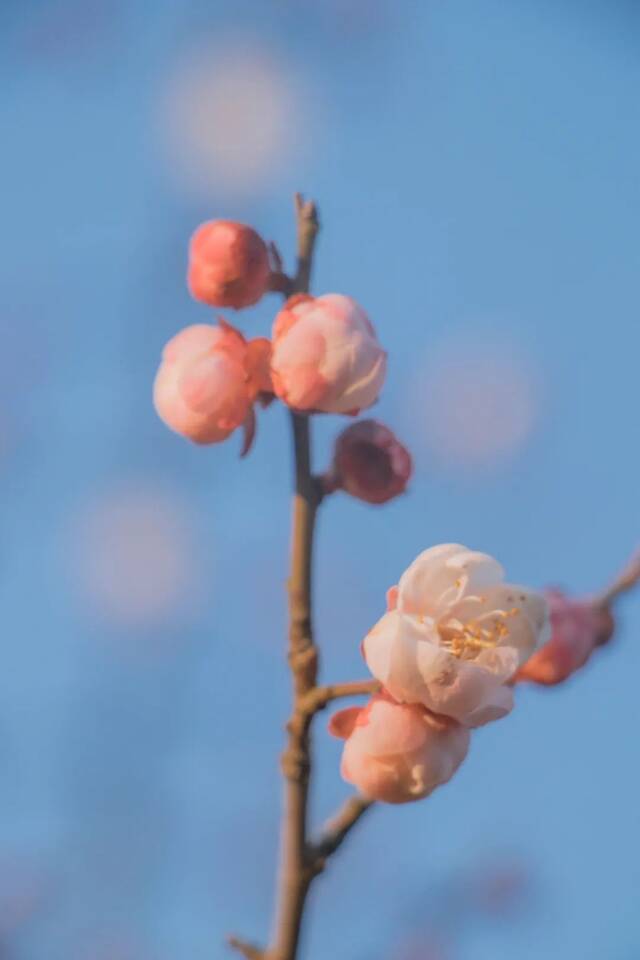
[477, 170]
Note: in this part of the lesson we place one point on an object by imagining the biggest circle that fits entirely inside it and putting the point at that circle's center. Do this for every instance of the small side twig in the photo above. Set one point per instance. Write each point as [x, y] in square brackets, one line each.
[320, 697]
[308, 227]
[626, 580]
[279, 281]
[337, 829]
[247, 950]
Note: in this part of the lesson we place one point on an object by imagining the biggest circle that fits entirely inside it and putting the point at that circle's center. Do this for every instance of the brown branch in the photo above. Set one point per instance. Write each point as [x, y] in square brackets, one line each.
[247, 950]
[279, 281]
[337, 829]
[295, 876]
[308, 227]
[320, 697]
[626, 580]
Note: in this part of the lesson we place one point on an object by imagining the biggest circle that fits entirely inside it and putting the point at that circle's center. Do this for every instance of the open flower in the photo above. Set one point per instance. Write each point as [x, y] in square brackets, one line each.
[228, 265]
[397, 752]
[455, 634]
[370, 463]
[208, 380]
[326, 356]
[577, 628]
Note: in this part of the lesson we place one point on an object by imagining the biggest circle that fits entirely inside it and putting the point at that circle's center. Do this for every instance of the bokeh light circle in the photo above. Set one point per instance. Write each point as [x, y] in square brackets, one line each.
[475, 402]
[231, 118]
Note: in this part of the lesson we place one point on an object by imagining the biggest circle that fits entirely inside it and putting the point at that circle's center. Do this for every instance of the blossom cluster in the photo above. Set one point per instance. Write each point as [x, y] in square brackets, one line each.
[454, 642]
[445, 653]
[456, 637]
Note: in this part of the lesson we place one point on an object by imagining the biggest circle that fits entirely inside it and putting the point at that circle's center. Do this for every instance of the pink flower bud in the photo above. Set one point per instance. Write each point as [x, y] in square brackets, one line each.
[208, 380]
[228, 265]
[577, 628]
[326, 356]
[396, 752]
[370, 463]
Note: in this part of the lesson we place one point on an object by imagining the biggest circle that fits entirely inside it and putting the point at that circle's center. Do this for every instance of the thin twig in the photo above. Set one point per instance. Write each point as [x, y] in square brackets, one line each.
[279, 281]
[320, 697]
[628, 578]
[247, 950]
[308, 227]
[337, 829]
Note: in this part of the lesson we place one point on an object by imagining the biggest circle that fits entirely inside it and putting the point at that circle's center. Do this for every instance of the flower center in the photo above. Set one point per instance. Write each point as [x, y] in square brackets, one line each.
[467, 640]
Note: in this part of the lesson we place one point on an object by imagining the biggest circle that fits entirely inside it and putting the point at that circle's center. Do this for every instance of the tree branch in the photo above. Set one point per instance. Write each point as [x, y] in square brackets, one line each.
[246, 949]
[628, 578]
[295, 876]
[308, 227]
[300, 860]
[337, 829]
[320, 697]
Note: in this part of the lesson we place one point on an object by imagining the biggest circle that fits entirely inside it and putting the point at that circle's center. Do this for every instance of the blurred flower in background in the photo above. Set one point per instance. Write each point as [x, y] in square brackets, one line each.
[476, 401]
[423, 948]
[67, 29]
[232, 119]
[113, 947]
[442, 920]
[24, 886]
[134, 557]
[347, 20]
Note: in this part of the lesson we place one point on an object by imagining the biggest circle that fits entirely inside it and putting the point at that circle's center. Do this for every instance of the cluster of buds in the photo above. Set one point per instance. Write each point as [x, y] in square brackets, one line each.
[453, 638]
[323, 356]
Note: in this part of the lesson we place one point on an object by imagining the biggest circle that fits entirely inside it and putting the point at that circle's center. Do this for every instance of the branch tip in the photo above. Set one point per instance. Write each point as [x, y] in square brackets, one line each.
[337, 829]
[247, 950]
[625, 581]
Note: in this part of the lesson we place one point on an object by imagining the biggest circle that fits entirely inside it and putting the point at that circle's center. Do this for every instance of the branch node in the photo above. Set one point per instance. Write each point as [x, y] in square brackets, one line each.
[320, 697]
[295, 765]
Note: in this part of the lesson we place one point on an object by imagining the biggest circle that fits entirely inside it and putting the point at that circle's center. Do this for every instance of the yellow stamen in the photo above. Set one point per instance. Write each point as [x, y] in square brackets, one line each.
[467, 640]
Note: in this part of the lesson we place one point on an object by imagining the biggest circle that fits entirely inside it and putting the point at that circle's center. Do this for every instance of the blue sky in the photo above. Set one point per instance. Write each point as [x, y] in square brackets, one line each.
[476, 167]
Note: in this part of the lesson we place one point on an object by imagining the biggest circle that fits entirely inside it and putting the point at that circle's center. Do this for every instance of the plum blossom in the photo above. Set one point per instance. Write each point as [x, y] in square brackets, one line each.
[228, 265]
[208, 380]
[396, 752]
[370, 463]
[326, 356]
[577, 628]
[455, 634]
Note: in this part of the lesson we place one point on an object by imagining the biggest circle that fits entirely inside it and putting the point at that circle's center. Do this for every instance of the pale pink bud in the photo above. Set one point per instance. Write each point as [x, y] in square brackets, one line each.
[208, 380]
[228, 265]
[370, 463]
[397, 752]
[326, 356]
[455, 634]
[577, 628]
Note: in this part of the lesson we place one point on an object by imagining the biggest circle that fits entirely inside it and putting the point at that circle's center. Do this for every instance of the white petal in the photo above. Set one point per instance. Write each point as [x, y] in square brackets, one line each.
[404, 655]
[497, 707]
[378, 644]
[426, 579]
[470, 691]
[479, 570]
